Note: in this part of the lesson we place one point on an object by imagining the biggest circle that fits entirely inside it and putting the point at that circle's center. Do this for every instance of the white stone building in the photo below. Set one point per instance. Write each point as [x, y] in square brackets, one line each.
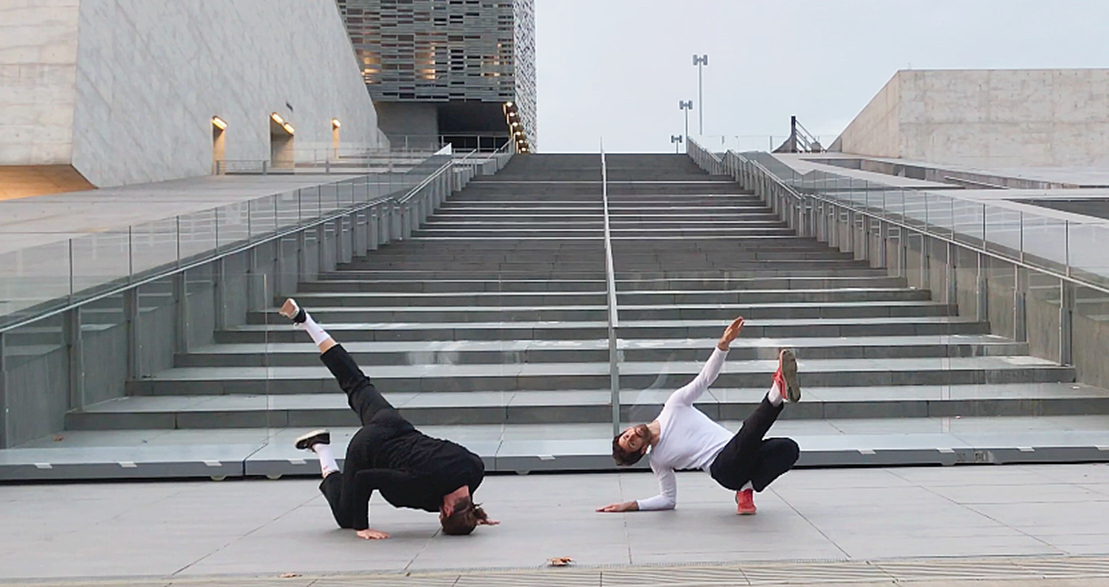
[987, 118]
[117, 92]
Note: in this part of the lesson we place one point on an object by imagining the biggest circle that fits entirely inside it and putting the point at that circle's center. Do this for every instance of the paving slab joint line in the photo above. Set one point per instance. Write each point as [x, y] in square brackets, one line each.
[708, 574]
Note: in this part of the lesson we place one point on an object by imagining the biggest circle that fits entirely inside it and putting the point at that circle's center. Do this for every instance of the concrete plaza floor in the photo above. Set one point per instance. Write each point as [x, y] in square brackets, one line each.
[813, 526]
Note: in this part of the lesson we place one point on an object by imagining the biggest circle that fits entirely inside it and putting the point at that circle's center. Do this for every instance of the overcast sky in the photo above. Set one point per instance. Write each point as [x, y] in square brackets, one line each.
[617, 68]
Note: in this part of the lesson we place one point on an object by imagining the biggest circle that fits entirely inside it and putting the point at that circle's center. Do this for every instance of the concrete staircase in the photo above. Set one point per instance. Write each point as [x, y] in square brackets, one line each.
[489, 326]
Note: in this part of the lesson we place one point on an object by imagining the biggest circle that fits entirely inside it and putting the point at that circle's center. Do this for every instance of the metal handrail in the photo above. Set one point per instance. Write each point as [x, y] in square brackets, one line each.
[924, 229]
[613, 313]
[178, 268]
[427, 180]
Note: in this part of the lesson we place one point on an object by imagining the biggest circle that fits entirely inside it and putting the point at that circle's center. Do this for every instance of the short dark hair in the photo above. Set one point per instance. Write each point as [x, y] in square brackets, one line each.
[464, 519]
[624, 458]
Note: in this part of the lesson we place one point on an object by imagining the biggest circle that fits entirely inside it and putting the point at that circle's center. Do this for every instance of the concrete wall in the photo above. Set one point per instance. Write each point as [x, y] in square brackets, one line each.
[877, 128]
[409, 124]
[125, 90]
[988, 118]
[38, 77]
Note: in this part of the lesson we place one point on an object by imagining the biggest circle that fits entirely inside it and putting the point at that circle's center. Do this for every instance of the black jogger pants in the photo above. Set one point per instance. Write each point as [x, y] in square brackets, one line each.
[749, 457]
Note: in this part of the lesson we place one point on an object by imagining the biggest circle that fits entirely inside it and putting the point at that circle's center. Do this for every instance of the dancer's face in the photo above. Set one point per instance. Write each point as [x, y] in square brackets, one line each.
[635, 438]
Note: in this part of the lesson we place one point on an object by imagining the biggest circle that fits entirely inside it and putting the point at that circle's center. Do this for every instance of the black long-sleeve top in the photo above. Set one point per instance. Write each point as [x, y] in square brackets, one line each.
[412, 471]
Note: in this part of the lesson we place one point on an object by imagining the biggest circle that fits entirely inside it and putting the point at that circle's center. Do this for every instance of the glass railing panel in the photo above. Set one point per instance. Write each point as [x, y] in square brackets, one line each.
[968, 222]
[232, 225]
[36, 278]
[153, 245]
[1045, 242]
[198, 234]
[1087, 257]
[1003, 231]
[100, 260]
[263, 217]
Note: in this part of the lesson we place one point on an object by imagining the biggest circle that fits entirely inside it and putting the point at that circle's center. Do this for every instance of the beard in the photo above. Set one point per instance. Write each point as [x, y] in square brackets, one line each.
[643, 433]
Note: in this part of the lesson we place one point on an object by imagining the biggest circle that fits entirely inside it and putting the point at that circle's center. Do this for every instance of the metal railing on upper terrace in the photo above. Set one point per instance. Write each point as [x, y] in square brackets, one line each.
[54, 276]
[1059, 246]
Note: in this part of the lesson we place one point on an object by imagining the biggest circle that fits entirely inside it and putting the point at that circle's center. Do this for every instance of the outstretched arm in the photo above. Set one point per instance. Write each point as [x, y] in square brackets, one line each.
[667, 498]
[365, 482]
[693, 390]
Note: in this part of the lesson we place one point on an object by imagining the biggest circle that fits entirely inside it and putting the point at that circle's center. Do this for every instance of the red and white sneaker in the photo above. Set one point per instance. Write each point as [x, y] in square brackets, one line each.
[787, 376]
[745, 502]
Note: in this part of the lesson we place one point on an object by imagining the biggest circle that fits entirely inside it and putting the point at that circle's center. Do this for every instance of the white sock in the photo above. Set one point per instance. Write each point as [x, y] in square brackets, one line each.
[747, 486]
[314, 330]
[327, 460]
[775, 394]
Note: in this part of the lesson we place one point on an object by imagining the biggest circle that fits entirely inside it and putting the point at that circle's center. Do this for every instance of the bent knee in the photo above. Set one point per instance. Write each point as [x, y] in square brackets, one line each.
[791, 450]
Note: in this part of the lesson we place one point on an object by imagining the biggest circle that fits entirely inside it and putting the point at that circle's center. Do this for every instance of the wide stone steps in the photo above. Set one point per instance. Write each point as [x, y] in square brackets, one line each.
[539, 231]
[499, 352]
[587, 330]
[340, 283]
[562, 376]
[572, 313]
[376, 299]
[587, 406]
[489, 327]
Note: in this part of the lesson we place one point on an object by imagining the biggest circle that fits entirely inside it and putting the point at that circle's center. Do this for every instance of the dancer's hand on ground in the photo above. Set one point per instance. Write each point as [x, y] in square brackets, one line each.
[627, 506]
[369, 534]
[730, 334]
[487, 522]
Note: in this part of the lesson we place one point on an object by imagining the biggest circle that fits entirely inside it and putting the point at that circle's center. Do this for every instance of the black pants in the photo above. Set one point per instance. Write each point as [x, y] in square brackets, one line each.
[748, 457]
[380, 422]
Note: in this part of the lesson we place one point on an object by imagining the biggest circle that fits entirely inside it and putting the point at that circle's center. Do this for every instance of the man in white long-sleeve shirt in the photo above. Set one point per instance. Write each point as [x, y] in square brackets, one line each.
[682, 437]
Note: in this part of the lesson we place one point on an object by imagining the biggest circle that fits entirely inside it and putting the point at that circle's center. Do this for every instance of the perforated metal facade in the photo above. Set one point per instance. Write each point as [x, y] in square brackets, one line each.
[447, 51]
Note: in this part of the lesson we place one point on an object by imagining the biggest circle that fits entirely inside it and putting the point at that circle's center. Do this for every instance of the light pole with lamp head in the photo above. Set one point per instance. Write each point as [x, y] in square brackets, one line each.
[700, 61]
[686, 105]
[677, 140]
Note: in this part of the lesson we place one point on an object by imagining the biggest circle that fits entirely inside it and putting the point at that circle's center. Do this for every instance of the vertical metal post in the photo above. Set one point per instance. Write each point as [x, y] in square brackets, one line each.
[952, 275]
[177, 220]
[925, 262]
[1020, 315]
[219, 293]
[131, 317]
[252, 293]
[71, 329]
[4, 410]
[1066, 322]
[902, 253]
[982, 311]
[181, 316]
[321, 247]
[301, 256]
[374, 229]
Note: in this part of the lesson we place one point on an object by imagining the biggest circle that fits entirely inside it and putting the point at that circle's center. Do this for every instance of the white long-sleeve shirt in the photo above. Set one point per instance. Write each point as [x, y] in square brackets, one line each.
[688, 439]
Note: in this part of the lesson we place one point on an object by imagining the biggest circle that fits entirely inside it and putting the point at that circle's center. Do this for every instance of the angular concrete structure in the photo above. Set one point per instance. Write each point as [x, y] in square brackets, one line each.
[125, 91]
[987, 118]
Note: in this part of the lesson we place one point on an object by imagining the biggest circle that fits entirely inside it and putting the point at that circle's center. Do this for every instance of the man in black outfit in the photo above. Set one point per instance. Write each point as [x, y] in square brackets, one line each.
[409, 468]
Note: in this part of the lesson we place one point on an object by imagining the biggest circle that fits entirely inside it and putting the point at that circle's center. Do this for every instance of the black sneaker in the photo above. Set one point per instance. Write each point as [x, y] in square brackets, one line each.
[787, 366]
[307, 441]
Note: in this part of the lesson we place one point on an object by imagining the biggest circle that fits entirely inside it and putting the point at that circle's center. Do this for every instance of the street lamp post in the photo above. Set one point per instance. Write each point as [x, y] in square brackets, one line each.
[686, 105]
[677, 140]
[700, 61]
